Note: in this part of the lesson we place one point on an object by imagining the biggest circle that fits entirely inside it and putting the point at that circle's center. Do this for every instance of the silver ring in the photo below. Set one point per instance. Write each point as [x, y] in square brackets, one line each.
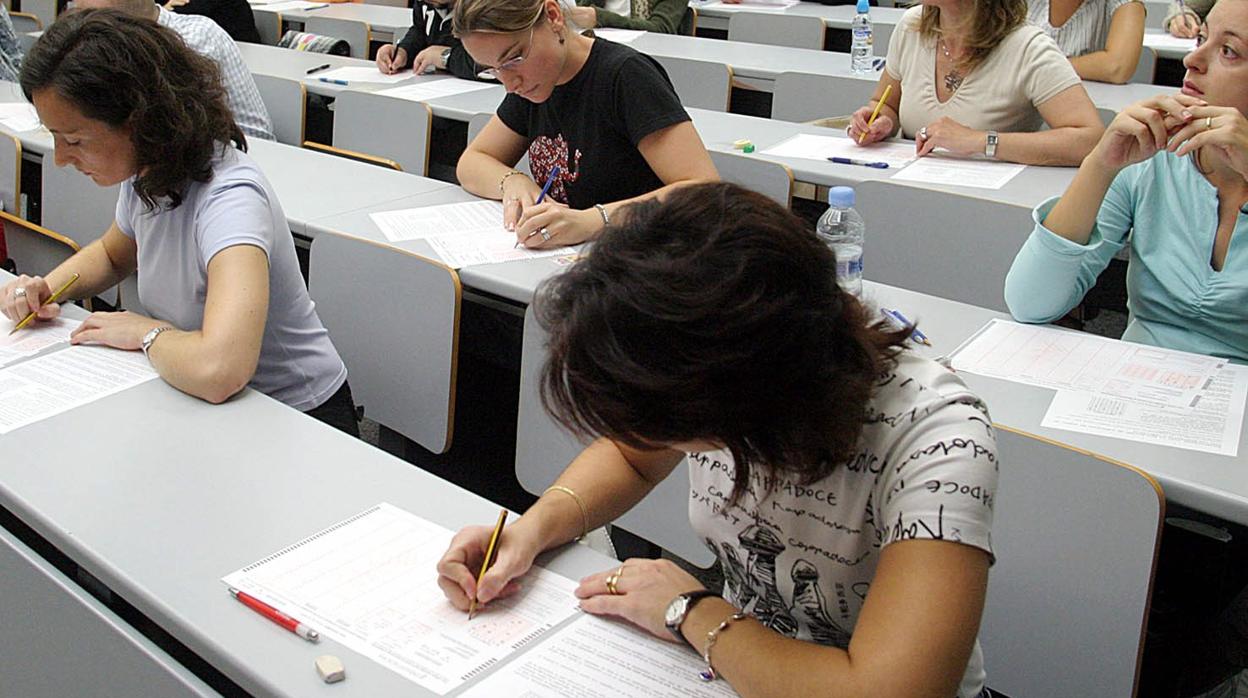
[923, 133]
[545, 234]
[19, 292]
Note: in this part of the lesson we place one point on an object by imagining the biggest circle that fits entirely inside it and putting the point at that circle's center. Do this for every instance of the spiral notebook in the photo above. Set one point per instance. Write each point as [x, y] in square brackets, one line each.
[369, 583]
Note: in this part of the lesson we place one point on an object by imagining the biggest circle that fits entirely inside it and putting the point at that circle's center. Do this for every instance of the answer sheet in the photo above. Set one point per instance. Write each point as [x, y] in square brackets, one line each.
[292, 5]
[370, 582]
[619, 36]
[19, 116]
[597, 658]
[34, 338]
[49, 385]
[964, 172]
[813, 147]
[354, 73]
[754, 6]
[1212, 426]
[461, 234]
[432, 89]
[1065, 360]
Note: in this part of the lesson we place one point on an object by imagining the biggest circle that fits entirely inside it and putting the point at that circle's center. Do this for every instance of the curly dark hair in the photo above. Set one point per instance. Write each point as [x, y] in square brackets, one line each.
[714, 315]
[130, 71]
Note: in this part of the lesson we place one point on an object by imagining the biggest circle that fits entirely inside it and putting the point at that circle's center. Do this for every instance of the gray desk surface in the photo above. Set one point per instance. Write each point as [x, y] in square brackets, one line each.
[835, 16]
[385, 22]
[1154, 36]
[158, 495]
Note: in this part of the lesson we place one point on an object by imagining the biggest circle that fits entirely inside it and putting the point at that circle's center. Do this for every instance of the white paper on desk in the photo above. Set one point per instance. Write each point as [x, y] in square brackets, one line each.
[813, 147]
[432, 89]
[1065, 360]
[1213, 426]
[964, 172]
[370, 582]
[619, 36]
[56, 383]
[756, 6]
[289, 5]
[463, 234]
[1164, 40]
[363, 73]
[596, 658]
[19, 116]
[36, 337]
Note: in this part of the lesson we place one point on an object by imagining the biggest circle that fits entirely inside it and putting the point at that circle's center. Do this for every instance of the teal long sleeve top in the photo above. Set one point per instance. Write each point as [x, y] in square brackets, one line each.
[1166, 214]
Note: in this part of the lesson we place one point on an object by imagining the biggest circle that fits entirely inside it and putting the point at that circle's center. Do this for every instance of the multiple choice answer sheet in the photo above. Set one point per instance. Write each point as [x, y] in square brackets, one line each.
[369, 583]
[597, 658]
[432, 89]
[34, 338]
[49, 385]
[461, 234]
[812, 147]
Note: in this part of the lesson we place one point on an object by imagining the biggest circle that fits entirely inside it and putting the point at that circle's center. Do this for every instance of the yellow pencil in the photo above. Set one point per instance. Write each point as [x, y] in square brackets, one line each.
[883, 98]
[52, 299]
[490, 550]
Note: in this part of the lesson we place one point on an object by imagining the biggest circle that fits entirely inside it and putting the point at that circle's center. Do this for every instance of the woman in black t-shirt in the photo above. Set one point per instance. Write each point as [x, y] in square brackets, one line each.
[604, 114]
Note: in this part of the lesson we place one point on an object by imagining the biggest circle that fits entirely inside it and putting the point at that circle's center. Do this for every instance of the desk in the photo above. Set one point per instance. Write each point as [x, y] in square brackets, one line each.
[1168, 46]
[386, 23]
[833, 16]
[158, 495]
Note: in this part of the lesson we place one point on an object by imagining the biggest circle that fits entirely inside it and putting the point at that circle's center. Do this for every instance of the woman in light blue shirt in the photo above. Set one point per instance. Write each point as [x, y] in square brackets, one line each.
[1168, 181]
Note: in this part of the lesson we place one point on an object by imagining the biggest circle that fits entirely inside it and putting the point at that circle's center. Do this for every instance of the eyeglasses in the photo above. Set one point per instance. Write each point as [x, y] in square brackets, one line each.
[513, 64]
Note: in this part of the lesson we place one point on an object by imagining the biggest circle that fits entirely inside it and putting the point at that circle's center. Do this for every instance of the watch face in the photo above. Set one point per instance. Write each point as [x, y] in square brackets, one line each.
[676, 610]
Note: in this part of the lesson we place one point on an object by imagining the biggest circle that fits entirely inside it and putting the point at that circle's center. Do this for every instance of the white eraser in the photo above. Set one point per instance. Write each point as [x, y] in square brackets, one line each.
[330, 668]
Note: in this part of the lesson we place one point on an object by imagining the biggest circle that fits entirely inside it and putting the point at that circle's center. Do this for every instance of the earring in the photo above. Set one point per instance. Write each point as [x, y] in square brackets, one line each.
[561, 39]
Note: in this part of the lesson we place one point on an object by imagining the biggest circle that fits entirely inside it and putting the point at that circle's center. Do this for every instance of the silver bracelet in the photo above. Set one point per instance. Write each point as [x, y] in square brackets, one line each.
[606, 220]
[708, 674]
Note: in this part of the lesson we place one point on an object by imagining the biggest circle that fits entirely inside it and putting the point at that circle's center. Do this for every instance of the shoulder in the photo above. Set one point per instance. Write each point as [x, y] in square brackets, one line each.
[200, 33]
[920, 404]
[1112, 6]
[910, 19]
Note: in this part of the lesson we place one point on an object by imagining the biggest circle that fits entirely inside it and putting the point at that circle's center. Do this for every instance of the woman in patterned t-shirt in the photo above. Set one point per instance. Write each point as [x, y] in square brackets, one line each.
[845, 484]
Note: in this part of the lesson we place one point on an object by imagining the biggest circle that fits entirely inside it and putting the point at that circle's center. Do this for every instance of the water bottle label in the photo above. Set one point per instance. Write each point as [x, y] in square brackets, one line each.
[849, 268]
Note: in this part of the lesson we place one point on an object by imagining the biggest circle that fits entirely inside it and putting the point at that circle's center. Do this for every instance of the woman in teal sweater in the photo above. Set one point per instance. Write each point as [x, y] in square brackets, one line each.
[1168, 180]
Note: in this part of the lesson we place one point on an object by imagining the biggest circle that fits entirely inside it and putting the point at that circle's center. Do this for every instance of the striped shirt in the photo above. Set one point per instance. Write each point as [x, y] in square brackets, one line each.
[1086, 31]
[206, 38]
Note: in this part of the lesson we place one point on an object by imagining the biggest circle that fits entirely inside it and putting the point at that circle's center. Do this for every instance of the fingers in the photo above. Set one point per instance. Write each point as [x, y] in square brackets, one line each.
[536, 217]
[384, 59]
[512, 209]
[422, 64]
[605, 605]
[23, 295]
[49, 311]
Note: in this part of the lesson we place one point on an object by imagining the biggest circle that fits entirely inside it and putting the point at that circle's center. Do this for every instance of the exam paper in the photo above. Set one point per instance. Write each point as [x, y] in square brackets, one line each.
[940, 169]
[1065, 360]
[34, 338]
[619, 36]
[1163, 40]
[461, 234]
[1212, 426]
[289, 5]
[812, 147]
[370, 582]
[19, 116]
[432, 89]
[49, 385]
[596, 658]
[756, 6]
[362, 74]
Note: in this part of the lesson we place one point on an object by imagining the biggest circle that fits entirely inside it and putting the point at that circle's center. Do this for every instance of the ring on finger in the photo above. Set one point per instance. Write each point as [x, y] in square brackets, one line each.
[923, 133]
[544, 233]
[19, 292]
[1208, 122]
[612, 580]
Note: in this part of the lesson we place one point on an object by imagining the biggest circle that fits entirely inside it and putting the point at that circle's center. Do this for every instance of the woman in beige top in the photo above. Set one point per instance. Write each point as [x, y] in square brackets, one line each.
[971, 77]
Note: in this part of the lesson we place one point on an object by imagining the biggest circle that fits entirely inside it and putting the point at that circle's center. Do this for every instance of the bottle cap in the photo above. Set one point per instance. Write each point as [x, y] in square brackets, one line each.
[841, 197]
[863, 7]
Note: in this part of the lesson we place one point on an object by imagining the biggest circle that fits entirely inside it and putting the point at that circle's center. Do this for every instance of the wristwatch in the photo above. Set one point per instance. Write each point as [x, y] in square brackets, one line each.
[679, 609]
[151, 336]
[446, 58]
[990, 148]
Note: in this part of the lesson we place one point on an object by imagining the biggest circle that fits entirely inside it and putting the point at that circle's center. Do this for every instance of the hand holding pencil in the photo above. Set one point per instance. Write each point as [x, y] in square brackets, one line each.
[29, 297]
[870, 124]
[468, 582]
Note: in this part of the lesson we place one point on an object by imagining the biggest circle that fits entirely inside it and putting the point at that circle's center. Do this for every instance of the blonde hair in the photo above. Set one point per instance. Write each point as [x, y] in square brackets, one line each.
[990, 21]
[505, 16]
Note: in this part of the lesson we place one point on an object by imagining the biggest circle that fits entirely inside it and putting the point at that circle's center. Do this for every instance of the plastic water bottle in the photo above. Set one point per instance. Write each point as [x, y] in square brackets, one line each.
[861, 50]
[842, 229]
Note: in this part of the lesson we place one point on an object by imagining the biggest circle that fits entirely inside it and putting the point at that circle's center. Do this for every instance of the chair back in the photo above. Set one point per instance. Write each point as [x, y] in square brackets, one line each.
[44, 10]
[771, 179]
[269, 26]
[35, 250]
[689, 23]
[388, 127]
[1076, 541]
[699, 84]
[286, 101]
[776, 30]
[388, 349]
[10, 174]
[353, 155]
[808, 96]
[356, 33]
[25, 22]
[1146, 68]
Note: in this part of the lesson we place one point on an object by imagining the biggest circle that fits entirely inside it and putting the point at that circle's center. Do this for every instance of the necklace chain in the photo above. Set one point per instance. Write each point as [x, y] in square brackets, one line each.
[953, 78]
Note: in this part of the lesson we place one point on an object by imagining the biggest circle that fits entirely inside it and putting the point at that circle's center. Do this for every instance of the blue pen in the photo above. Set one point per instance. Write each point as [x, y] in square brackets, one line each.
[878, 63]
[333, 81]
[550, 179]
[856, 161]
[900, 319]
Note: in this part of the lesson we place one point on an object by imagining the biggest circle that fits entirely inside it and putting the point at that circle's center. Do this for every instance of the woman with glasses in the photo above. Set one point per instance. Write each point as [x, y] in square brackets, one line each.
[605, 115]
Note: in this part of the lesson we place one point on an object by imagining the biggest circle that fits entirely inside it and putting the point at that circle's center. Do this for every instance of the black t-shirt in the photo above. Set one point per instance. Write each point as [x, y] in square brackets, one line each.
[591, 126]
[234, 16]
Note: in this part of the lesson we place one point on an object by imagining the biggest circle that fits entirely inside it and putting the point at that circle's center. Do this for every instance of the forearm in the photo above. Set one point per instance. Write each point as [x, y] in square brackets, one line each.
[192, 364]
[97, 272]
[1074, 215]
[1103, 66]
[606, 483]
[480, 174]
[1064, 146]
[617, 207]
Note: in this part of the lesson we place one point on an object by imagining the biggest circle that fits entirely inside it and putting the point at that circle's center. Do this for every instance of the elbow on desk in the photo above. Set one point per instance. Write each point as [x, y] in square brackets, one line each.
[1029, 307]
[218, 381]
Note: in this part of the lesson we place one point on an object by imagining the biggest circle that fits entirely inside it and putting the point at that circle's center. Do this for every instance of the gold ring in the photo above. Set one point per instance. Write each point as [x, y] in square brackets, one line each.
[612, 579]
[1208, 122]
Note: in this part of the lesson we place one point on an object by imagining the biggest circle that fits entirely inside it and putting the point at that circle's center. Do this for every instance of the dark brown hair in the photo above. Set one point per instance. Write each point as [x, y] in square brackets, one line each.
[714, 315]
[130, 71]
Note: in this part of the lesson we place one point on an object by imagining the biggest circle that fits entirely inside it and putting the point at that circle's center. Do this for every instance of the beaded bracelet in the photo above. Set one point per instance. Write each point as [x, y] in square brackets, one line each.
[580, 503]
[708, 674]
[503, 181]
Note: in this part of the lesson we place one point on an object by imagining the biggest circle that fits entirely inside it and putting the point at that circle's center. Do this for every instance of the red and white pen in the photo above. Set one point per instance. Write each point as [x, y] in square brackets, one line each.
[276, 616]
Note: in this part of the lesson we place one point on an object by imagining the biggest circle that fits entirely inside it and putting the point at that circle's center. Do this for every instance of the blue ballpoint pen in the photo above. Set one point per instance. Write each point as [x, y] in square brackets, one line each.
[333, 81]
[856, 161]
[897, 317]
[550, 179]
